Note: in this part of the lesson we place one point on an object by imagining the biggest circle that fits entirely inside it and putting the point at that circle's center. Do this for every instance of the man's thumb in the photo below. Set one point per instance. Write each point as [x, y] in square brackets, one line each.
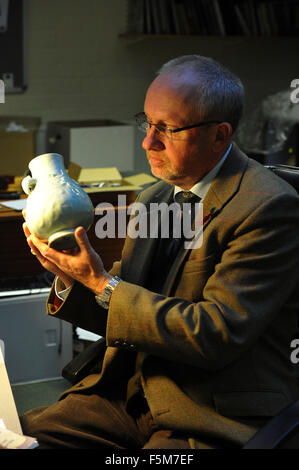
[81, 237]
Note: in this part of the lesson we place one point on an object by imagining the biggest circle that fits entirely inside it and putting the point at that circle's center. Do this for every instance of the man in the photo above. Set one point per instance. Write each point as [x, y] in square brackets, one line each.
[198, 353]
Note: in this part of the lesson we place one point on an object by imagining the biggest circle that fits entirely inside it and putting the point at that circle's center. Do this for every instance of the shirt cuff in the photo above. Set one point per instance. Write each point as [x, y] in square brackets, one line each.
[60, 290]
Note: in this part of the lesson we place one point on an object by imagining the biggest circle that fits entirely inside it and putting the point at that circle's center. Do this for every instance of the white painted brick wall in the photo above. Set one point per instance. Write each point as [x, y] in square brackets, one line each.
[78, 68]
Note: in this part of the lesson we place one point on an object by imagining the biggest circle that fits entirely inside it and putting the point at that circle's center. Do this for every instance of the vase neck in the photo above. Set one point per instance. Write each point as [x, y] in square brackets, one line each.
[47, 163]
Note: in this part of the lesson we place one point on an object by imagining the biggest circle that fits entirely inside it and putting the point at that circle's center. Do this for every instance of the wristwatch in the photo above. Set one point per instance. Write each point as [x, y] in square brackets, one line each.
[103, 299]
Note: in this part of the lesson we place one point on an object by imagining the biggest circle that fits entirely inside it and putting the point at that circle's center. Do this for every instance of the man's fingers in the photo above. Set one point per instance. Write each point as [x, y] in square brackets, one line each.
[81, 238]
[41, 247]
[32, 247]
[26, 230]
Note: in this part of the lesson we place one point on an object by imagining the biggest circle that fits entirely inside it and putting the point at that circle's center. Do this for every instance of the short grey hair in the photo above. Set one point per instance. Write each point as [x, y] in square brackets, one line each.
[215, 93]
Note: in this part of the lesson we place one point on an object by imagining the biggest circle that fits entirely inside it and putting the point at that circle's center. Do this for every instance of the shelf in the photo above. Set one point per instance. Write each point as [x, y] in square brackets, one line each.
[203, 19]
[139, 36]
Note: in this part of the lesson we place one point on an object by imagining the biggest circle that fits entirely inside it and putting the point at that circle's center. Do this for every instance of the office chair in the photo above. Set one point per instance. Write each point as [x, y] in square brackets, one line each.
[288, 173]
[281, 431]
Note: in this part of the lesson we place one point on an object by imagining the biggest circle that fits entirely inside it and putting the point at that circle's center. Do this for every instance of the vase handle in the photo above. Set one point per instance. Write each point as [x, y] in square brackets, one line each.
[28, 184]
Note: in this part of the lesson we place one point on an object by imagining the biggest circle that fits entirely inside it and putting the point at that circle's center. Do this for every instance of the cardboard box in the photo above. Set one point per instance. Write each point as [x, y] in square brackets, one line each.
[107, 179]
[17, 148]
[93, 143]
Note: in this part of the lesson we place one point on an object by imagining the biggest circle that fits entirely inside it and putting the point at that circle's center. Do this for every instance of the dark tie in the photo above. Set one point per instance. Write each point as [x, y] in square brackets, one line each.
[186, 197]
[168, 247]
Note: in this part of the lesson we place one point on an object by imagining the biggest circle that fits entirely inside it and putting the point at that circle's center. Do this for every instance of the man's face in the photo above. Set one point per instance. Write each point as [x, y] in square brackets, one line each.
[188, 156]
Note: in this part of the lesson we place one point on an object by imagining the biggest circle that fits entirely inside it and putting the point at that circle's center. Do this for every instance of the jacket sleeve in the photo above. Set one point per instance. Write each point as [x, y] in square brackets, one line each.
[255, 275]
[80, 307]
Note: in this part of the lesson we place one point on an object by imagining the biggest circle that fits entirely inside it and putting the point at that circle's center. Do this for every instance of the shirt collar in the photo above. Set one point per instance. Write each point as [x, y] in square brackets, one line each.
[202, 187]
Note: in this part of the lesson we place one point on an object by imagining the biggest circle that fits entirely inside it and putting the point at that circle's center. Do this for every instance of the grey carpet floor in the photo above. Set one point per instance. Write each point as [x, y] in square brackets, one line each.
[32, 395]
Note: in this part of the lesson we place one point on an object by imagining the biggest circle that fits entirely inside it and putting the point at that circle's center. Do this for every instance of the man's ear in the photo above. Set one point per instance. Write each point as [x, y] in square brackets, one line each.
[222, 136]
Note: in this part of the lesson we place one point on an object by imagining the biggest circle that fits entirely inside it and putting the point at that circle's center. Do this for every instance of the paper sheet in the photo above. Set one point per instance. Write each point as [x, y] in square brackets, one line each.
[15, 204]
[8, 411]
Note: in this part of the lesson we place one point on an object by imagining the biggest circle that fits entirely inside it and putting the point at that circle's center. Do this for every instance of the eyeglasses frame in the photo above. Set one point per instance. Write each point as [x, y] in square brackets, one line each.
[178, 129]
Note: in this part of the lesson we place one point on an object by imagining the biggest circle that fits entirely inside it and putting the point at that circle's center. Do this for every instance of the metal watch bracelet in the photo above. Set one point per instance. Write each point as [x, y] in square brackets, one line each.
[103, 299]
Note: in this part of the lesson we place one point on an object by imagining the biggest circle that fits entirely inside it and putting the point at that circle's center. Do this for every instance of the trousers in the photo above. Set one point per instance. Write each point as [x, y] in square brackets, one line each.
[89, 421]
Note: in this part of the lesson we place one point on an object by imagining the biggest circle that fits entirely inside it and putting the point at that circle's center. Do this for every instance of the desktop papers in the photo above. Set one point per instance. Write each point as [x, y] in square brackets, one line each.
[15, 204]
[8, 411]
[11, 436]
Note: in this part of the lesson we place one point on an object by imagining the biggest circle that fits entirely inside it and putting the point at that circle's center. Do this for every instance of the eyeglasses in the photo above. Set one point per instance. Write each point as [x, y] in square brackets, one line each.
[144, 126]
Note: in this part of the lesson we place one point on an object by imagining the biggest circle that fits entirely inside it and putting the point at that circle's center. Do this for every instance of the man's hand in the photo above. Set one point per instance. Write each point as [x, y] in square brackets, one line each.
[82, 264]
[67, 280]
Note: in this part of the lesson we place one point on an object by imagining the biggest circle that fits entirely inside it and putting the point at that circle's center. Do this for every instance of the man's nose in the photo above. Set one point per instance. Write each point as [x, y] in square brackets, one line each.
[152, 140]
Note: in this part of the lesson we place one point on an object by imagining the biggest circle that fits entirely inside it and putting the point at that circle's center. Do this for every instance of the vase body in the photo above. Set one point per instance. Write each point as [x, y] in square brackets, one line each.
[56, 204]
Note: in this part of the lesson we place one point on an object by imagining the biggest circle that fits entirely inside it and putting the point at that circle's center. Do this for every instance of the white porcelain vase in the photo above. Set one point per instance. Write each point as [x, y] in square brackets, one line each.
[56, 203]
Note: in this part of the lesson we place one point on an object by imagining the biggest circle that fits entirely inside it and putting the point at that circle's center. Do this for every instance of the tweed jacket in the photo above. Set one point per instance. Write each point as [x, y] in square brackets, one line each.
[214, 346]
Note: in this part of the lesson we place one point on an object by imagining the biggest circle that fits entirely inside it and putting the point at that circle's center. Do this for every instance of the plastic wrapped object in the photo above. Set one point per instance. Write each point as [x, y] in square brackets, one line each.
[269, 128]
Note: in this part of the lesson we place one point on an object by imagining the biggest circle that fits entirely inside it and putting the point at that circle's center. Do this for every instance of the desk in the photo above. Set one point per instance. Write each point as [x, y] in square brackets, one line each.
[16, 258]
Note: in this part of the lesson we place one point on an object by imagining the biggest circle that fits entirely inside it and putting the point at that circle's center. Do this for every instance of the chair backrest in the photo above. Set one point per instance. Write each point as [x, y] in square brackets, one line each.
[288, 173]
